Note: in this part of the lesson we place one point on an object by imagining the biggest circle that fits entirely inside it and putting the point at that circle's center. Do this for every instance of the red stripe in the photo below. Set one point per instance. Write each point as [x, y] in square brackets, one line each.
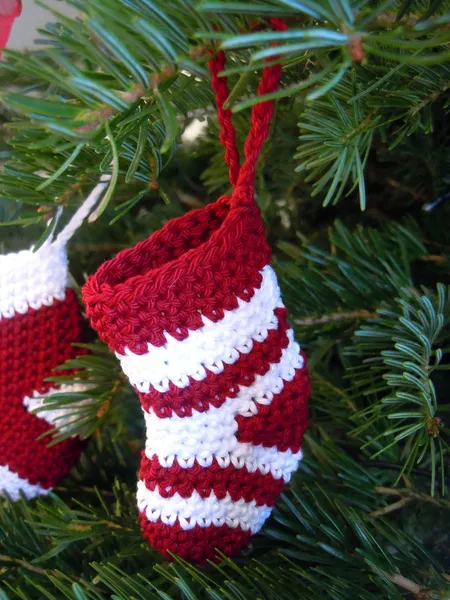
[163, 285]
[239, 483]
[31, 345]
[32, 460]
[215, 389]
[196, 545]
[283, 422]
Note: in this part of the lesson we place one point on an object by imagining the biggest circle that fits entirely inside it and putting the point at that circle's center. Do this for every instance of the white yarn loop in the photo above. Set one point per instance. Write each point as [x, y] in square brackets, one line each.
[32, 279]
[77, 219]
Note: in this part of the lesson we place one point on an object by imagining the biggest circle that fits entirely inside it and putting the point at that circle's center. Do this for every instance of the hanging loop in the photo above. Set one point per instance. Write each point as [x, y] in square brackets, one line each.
[84, 210]
[261, 115]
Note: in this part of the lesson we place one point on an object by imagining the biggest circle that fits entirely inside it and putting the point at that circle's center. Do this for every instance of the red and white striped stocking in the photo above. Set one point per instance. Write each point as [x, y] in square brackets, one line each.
[195, 316]
[39, 319]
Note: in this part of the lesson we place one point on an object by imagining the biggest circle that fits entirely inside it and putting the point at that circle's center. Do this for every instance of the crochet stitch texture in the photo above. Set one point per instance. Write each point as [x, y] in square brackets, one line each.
[195, 316]
[40, 318]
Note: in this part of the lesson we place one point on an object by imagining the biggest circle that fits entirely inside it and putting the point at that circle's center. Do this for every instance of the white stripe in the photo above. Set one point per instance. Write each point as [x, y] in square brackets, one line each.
[210, 435]
[210, 347]
[61, 417]
[32, 279]
[279, 464]
[12, 484]
[203, 512]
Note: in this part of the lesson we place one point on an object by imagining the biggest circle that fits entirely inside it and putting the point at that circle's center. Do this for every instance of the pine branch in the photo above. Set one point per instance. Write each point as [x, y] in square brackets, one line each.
[406, 495]
[338, 316]
[408, 394]
[22, 563]
[151, 71]
[363, 292]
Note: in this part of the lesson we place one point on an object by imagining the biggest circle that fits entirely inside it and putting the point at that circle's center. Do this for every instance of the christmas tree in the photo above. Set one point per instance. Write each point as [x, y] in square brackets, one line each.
[353, 187]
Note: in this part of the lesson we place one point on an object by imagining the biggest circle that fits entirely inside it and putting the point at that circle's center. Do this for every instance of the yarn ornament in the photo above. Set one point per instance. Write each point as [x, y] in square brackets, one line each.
[195, 316]
[40, 318]
[9, 11]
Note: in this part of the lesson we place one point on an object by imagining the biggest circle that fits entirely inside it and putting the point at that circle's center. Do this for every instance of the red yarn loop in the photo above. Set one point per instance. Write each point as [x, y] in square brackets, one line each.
[242, 178]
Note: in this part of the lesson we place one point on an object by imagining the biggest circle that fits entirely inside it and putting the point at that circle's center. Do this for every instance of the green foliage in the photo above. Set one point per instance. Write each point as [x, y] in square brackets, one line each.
[361, 122]
[86, 409]
[125, 75]
[347, 145]
[361, 269]
[416, 328]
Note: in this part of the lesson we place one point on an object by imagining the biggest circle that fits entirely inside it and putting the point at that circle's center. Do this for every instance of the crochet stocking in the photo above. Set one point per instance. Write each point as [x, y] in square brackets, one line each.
[39, 319]
[195, 317]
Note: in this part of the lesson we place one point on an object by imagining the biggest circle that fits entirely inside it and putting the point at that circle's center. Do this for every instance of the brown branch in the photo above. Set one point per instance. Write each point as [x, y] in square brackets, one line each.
[97, 117]
[113, 525]
[88, 490]
[364, 123]
[429, 99]
[407, 584]
[389, 19]
[110, 524]
[437, 258]
[434, 243]
[417, 195]
[411, 494]
[356, 48]
[317, 380]
[22, 563]
[26, 565]
[337, 316]
[390, 507]
[420, 592]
